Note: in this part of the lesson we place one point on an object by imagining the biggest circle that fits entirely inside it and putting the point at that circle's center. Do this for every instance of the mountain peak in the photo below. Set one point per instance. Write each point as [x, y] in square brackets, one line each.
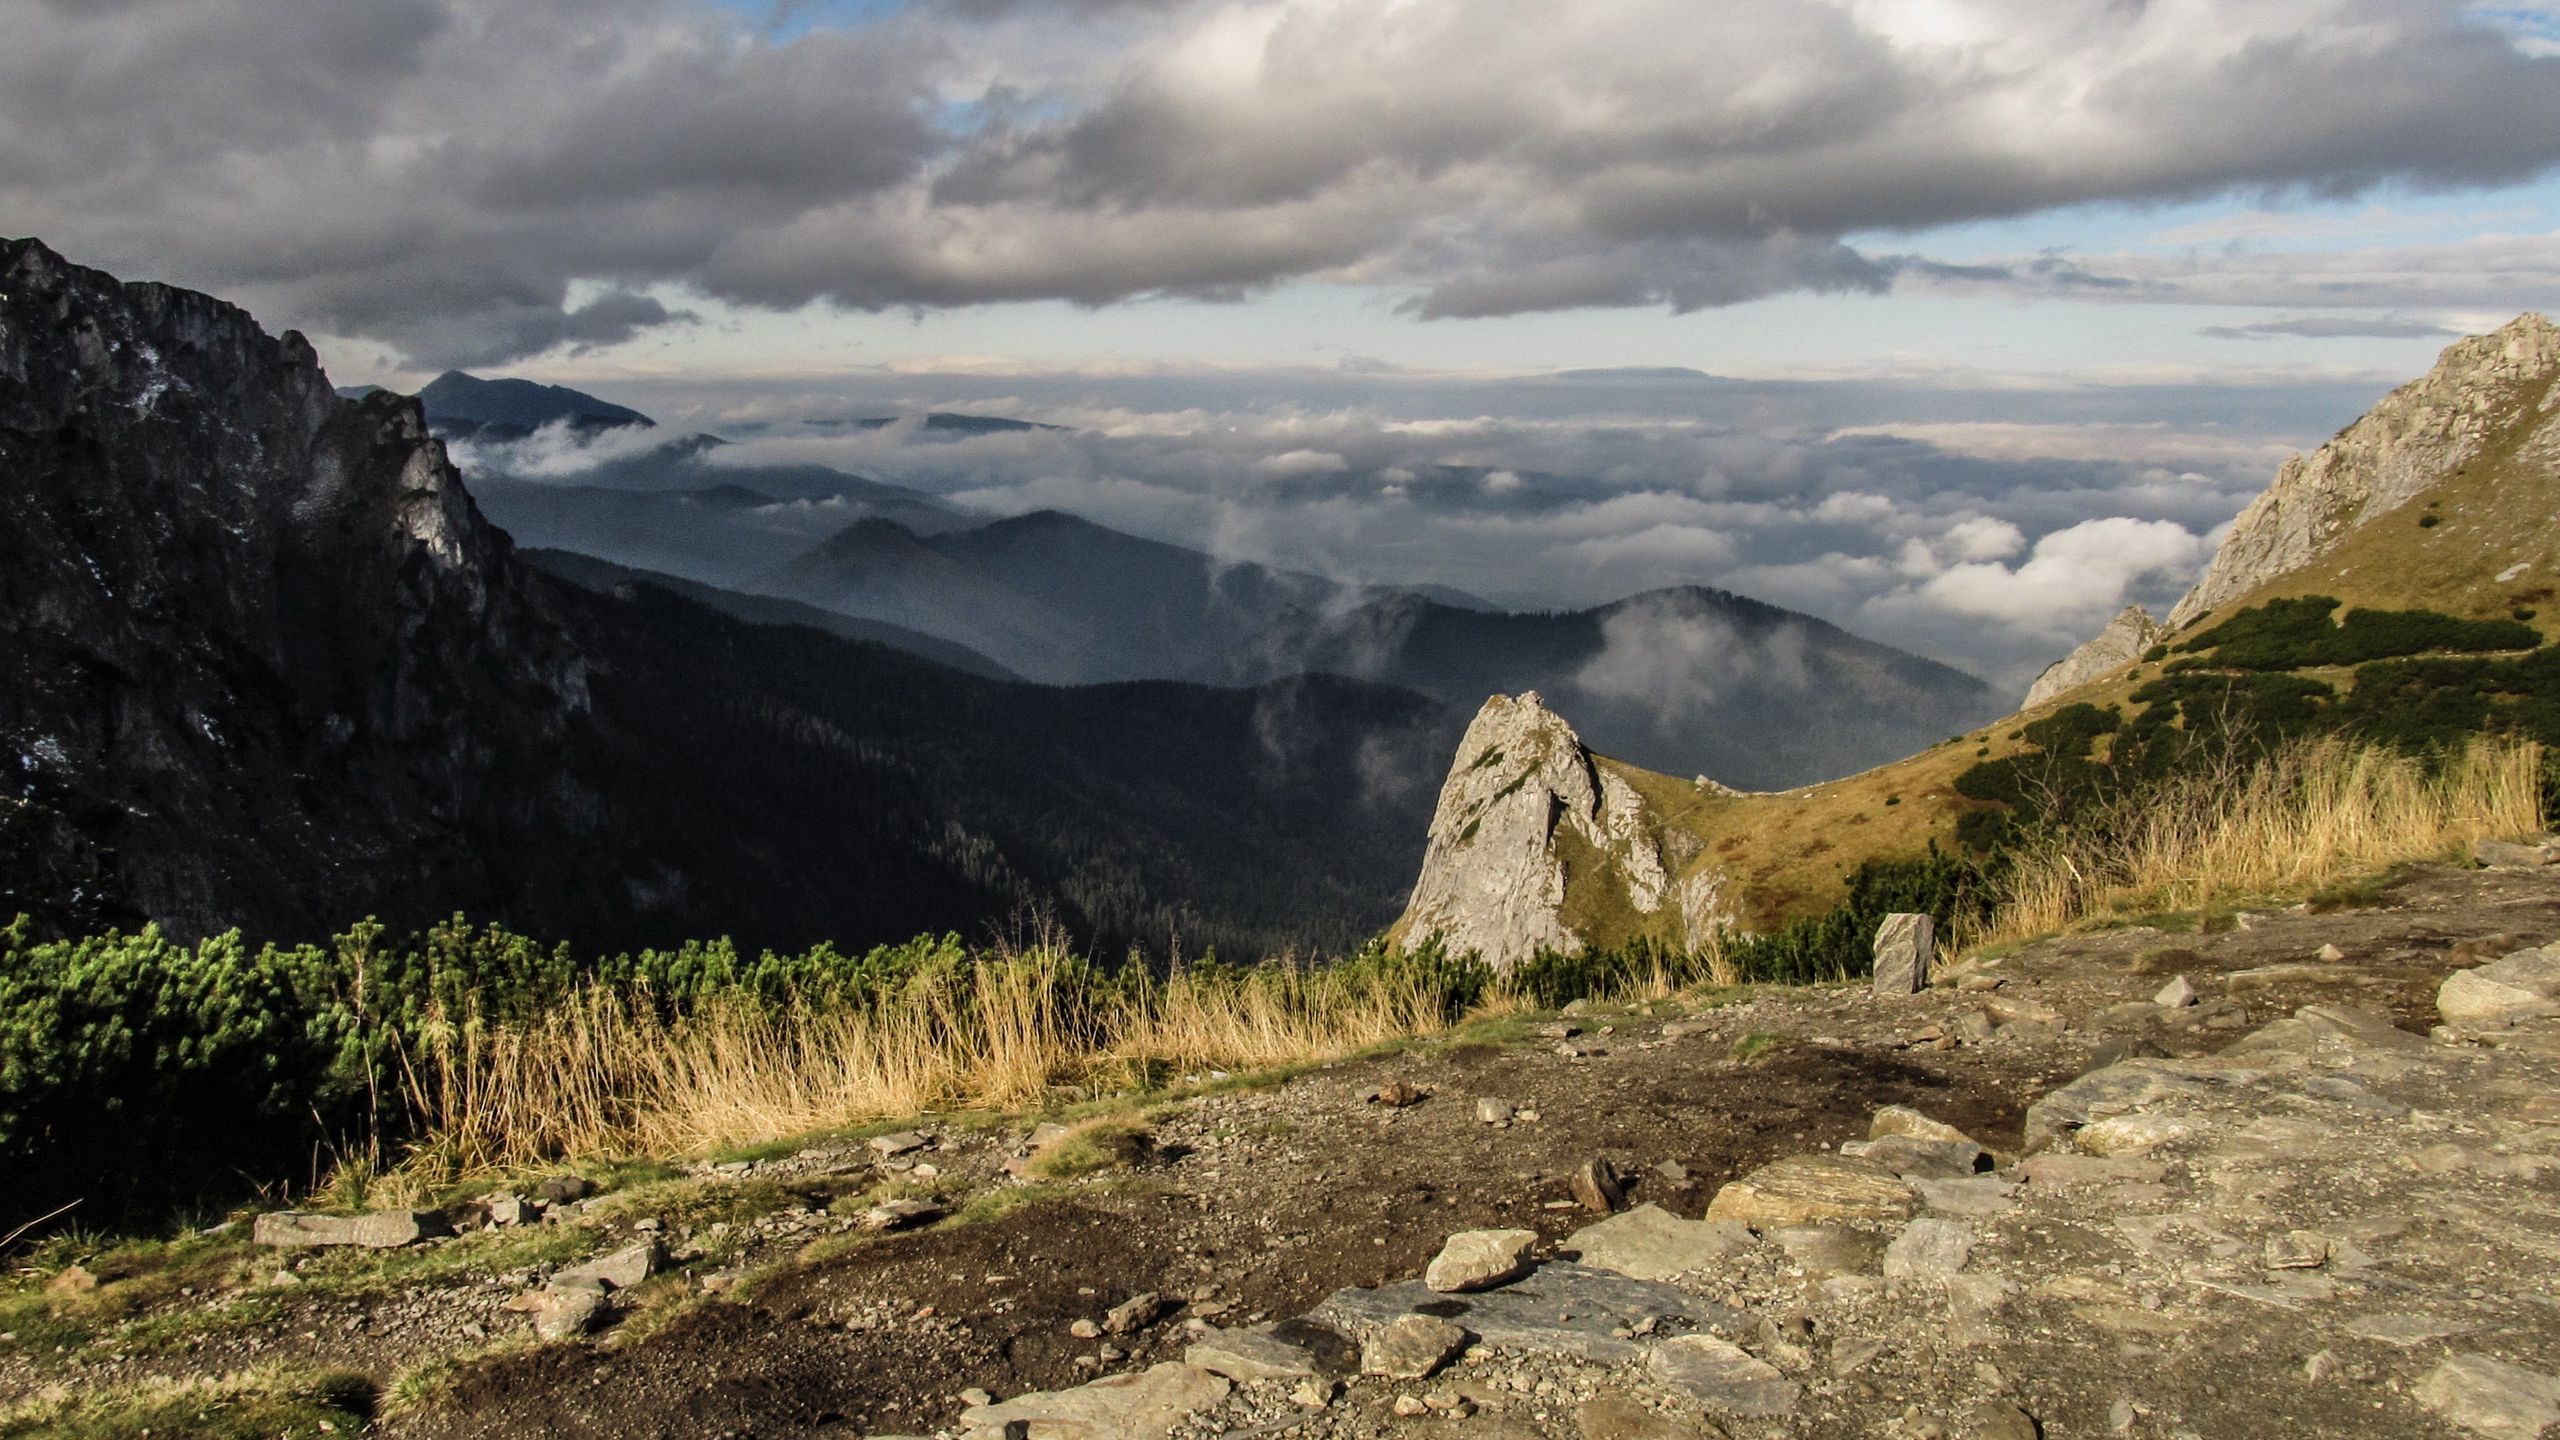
[2481, 388]
[458, 400]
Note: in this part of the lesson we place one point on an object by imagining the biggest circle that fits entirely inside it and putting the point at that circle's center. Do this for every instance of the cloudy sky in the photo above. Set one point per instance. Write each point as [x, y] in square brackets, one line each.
[1959, 322]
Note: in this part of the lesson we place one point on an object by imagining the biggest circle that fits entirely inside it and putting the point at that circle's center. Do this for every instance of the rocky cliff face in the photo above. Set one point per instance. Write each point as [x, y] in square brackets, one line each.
[2121, 643]
[1533, 834]
[2417, 435]
[241, 618]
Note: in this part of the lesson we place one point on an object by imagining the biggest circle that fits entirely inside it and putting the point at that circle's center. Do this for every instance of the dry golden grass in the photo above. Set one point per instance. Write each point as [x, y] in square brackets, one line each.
[2315, 813]
[606, 1074]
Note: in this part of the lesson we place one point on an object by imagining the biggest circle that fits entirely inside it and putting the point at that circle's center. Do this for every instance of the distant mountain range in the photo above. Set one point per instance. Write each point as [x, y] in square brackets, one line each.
[1687, 681]
[1690, 680]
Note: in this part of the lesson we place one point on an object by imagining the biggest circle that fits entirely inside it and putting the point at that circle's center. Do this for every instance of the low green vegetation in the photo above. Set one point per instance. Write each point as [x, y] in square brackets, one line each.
[273, 1405]
[2421, 682]
[2299, 634]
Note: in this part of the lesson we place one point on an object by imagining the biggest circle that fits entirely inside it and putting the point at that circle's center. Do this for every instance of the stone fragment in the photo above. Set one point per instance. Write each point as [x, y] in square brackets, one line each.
[2176, 995]
[1928, 1249]
[1290, 1350]
[1723, 1377]
[1974, 1027]
[1084, 1328]
[381, 1230]
[901, 1214]
[1145, 1405]
[897, 1142]
[2010, 1011]
[621, 1270]
[2298, 1250]
[1558, 1309]
[1903, 1120]
[1651, 1243]
[1412, 1347]
[1906, 946]
[1135, 1314]
[2491, 1397]
[2330, 953]
[2130, 1134]
[1494, 1112]
[508, 1208]
[1825, 1250]
[1480, 1260]
[1912, 1159]
[563, 1189]
[566, 1314]
[1596, 1187]
[1396, 1095]
[1805, 1189]
[2470, 1000]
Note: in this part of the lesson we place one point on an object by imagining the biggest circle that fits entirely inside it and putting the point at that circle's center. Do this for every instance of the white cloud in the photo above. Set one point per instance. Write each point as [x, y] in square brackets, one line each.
[453, 177]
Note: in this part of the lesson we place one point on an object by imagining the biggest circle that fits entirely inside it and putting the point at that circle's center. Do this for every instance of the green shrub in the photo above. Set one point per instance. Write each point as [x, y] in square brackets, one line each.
[2296, 634]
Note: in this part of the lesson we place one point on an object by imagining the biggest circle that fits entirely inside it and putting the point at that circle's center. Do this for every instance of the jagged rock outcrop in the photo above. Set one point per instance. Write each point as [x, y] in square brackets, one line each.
[250, 627]
[1529, 821]
[2121, 643]
[2418, 434]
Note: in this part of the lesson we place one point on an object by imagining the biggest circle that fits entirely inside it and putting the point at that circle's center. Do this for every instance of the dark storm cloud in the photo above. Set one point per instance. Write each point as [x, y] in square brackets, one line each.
[431, 172]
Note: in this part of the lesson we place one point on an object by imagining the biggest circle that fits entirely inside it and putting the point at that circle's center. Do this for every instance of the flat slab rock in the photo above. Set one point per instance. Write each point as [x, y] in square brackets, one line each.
[1651, 1243]
[1560, 1309]
[1141, 1406]
[1721, 1376]
[2123, 1089]
[1809, 1189]
[381, 1230]
[1290, 1350]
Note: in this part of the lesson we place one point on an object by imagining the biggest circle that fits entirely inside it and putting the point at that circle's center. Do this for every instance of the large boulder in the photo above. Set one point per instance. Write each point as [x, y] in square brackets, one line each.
[1906, 946]
[2521, 986]
[1494, 872]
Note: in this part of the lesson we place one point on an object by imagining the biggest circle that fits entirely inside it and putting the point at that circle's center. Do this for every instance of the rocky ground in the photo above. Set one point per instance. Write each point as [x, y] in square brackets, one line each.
[2282, 1207]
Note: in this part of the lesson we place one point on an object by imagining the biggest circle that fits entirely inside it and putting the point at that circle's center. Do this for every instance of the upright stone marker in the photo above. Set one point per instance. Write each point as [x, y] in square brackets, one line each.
[1905, 947]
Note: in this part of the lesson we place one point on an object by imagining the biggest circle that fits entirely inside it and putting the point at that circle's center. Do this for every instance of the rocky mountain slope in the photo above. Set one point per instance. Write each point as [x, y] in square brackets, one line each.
[2137, 1183]
[1052, 596]
[2119, 645]
[2488, 399]
[277, 671]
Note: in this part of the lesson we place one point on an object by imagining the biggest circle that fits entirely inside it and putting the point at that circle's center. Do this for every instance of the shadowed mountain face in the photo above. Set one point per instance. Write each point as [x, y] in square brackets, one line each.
[1054, 597]
[273, 669]
[1686, 681]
